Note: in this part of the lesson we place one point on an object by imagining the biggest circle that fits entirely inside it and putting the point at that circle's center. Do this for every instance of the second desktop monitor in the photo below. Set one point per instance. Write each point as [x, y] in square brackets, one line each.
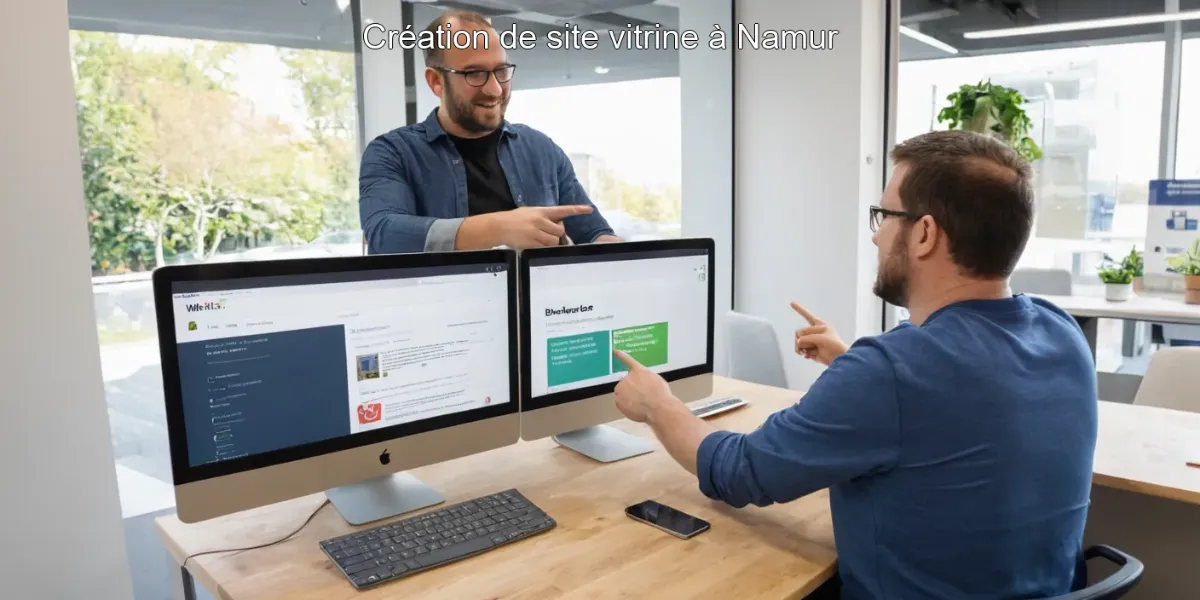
[651, 300]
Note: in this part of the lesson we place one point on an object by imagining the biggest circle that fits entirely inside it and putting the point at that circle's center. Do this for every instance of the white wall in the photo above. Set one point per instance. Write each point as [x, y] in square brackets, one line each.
[707, 161]
[809, 140]
[59, 509]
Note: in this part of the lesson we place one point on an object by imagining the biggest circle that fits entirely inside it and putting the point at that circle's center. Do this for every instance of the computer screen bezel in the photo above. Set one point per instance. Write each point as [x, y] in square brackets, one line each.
[528, 402]
[165, 278]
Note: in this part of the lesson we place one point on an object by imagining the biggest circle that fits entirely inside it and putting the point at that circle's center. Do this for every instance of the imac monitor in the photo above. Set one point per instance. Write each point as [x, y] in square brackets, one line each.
[287, 378]
[652, 300]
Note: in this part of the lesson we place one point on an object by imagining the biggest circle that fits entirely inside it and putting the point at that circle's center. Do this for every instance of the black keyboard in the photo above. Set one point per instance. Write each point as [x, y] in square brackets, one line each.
[401, 548]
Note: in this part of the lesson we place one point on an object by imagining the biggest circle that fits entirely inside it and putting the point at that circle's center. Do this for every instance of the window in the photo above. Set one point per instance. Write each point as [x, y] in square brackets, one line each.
[212, 135]
[202, 141]
[1187, 150]
[1096, 108]
[616, 113]
[1097, 117]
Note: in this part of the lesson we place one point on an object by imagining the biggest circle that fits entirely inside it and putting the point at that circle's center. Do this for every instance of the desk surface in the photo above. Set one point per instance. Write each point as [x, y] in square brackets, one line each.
[1145, 449]
[1157, 308]
[777, 552]
[780, 551]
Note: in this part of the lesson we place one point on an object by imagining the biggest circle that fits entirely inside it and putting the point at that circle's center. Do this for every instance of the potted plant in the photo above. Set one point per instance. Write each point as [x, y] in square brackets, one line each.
[995, 110]
[1188, 265]
[1118, 282]
[1134, 263]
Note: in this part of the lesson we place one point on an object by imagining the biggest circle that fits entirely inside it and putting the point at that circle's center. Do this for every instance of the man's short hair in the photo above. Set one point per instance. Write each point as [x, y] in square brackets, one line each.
[977, 189]
[433, 55]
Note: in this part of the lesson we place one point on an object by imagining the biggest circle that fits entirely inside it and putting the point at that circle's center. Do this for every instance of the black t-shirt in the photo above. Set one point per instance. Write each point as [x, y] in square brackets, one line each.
[487, 188]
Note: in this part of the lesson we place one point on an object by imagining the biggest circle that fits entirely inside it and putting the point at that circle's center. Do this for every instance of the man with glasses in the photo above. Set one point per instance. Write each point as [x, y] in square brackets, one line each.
[957, 447]
[465, 178]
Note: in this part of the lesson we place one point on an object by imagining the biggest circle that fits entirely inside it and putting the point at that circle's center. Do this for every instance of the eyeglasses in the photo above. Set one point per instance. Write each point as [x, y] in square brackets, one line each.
[878, 214]
[479, 77]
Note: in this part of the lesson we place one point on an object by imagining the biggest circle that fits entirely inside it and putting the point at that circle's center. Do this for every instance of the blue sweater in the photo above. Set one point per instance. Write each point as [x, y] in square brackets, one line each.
[958, 454]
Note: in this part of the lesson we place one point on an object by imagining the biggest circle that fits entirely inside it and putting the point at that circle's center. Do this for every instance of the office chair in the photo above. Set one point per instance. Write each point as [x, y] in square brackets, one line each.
[753, 350]
[1171, 380]
[1051, 282]
[1114, 586]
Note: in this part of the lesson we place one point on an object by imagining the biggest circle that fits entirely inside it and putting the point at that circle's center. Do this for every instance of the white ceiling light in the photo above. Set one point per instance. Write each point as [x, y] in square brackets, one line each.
[601, 70]
[1187, 15]
[925, 39]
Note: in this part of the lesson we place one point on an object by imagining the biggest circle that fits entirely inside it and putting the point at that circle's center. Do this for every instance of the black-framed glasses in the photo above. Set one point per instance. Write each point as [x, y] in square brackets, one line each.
[479, 77]
[878, 214]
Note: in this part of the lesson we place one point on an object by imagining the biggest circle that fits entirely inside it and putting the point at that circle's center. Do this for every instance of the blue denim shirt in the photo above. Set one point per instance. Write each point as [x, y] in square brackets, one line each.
[412, 186]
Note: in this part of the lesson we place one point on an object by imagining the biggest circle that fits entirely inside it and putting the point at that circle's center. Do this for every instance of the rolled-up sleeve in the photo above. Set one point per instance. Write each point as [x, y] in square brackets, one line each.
[387, 207]
[846, 426]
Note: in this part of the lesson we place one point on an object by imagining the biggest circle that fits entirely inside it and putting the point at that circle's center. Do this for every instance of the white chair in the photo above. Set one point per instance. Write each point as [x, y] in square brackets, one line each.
[1049, 282]
[753, 350]
[1172, 380]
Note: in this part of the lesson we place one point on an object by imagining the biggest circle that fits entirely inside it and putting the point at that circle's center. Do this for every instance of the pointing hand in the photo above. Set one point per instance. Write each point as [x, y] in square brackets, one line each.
[818, 341]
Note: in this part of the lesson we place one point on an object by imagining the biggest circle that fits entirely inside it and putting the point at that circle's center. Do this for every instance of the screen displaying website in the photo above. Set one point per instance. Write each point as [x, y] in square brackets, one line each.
[278, 362]
[653, 307]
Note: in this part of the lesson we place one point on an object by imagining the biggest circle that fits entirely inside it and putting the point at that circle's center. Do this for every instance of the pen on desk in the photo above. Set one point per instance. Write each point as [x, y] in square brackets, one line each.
[1193, 465]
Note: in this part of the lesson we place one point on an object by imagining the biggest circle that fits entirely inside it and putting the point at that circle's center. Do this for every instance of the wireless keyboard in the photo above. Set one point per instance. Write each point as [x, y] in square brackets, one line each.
[422, 542]
[715, 407]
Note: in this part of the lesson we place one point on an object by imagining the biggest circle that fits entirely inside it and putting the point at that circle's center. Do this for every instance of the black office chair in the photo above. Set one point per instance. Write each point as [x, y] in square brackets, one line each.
[1114, 586]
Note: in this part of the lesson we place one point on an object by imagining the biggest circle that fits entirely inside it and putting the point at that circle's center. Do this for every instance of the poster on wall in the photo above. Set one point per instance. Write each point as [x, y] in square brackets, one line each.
[1173, 221]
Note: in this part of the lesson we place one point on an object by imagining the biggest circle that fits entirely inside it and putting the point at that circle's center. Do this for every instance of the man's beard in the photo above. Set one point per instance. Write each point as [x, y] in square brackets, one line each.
[462, 112]
[891, 282]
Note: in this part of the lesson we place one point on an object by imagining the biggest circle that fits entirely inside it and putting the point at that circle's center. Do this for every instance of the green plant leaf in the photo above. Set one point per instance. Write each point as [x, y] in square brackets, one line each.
[985, 107]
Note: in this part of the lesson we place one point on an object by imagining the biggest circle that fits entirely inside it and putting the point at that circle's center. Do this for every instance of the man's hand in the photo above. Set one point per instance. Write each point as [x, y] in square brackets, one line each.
[520, 228]
[819, 341]
[641, 391]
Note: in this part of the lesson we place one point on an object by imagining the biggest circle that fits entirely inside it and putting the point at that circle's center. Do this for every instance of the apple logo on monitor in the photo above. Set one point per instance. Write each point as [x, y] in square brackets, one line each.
[384, 457]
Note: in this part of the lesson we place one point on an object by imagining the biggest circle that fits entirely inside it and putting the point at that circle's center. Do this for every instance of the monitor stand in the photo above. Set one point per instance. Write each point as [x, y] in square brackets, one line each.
[604, 443]
[381, 498]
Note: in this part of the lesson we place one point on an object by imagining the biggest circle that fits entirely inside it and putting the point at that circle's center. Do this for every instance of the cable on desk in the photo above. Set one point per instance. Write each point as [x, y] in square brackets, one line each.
[279, 541]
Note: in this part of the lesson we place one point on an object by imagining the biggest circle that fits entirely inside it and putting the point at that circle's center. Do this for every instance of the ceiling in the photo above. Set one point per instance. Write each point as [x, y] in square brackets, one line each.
[947, 20]
[322, 24]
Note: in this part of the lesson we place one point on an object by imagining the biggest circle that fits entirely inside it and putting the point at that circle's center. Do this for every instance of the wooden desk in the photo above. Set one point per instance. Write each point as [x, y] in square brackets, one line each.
[596, 551]
[1144, 449]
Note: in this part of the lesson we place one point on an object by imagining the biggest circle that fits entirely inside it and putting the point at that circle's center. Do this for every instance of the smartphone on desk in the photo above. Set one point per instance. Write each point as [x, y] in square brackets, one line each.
[670, 520]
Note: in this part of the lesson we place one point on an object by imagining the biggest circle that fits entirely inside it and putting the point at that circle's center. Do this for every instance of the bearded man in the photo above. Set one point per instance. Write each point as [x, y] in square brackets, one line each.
[957, 447]
[465, 178]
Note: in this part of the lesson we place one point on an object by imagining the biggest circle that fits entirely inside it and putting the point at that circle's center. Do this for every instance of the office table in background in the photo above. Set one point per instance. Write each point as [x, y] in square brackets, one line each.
[1145, 499]
[1145, 450]
[782, 551]
[1142, 306]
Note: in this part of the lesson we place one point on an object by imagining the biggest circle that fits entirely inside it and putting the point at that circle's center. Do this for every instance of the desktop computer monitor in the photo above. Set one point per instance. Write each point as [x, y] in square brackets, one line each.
[286, 378]
[652, 300]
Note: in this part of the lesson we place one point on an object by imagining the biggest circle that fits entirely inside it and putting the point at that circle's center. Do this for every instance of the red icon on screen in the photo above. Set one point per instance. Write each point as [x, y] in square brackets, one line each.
[487, 399]
[369, 413]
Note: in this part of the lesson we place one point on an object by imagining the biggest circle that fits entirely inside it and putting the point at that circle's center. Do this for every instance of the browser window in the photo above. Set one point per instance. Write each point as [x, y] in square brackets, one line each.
[277, 362]
[653, 307]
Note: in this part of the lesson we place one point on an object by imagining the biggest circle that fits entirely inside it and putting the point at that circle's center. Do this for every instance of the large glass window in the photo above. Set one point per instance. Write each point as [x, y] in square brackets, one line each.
[1096, 115]
[616, 113]
[205, 136]
[200, 151]
[213, 134]
[1187, 153]
[1094, 97]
